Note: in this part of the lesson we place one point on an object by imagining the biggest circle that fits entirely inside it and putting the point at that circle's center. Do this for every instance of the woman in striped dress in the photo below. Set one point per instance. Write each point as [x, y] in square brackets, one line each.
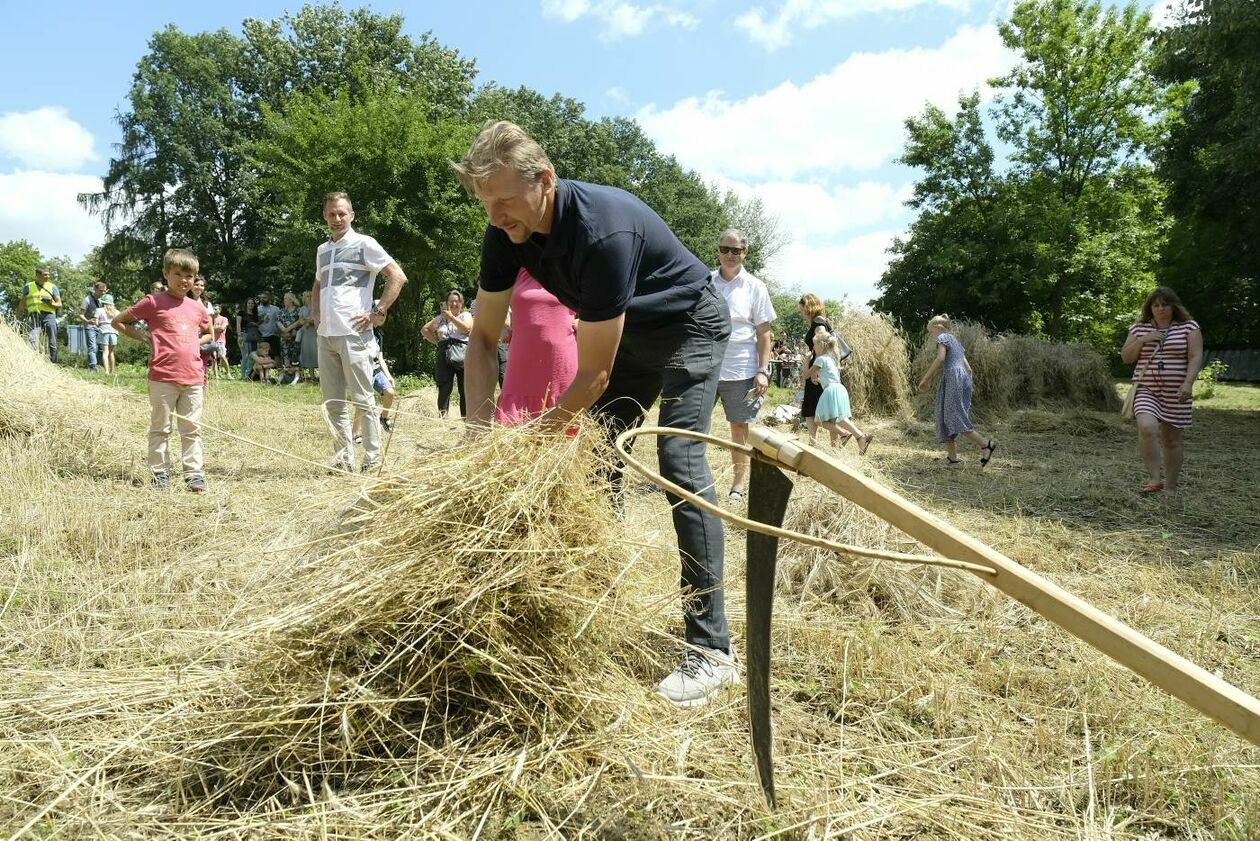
[1167, 346]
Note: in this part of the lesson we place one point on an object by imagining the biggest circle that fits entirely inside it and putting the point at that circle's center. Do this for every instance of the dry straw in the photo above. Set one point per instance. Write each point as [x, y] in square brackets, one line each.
[860, 585]
[466, 649]
[41, 402]
[875, 373]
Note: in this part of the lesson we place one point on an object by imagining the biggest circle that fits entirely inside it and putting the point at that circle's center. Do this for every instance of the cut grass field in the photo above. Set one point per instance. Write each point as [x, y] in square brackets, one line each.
[908, 703]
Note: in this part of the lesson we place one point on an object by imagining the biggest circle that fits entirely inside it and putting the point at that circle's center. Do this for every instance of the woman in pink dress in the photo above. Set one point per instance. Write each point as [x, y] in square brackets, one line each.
[542, 353]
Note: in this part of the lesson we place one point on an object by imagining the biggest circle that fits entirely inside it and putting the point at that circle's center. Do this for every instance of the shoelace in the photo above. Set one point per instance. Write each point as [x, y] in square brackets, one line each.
[693, 664]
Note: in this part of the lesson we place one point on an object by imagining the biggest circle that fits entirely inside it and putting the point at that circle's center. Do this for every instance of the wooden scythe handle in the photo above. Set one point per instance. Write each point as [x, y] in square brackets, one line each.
[1174, 674]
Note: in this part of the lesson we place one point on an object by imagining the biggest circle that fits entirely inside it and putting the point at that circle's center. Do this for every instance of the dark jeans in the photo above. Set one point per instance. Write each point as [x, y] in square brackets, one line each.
[447, 377]
[92, 337]
[680, 363]
[45, 322]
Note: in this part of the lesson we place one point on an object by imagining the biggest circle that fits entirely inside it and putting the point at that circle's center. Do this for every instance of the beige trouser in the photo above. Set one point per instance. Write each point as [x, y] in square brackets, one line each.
[167, 399]
[345, 374]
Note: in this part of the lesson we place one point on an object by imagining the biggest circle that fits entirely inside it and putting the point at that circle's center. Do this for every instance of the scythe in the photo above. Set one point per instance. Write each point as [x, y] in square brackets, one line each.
[1210, 695]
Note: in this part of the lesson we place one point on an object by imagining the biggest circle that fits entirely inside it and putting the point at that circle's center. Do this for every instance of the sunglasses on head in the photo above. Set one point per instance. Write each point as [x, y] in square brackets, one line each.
[730, 249]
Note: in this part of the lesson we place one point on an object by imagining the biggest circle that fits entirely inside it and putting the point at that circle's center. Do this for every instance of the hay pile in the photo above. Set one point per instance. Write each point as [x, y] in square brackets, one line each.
[76, 421]
[875, 374]
[1015, 371]
[456, 638]
[461, 611]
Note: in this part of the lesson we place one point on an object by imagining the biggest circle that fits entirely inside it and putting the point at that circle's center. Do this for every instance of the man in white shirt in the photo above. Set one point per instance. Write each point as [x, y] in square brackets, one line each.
[746, 367]
[346, 267]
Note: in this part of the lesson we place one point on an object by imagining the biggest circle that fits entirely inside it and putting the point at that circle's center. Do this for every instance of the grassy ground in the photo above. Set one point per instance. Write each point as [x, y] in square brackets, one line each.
[907, 703]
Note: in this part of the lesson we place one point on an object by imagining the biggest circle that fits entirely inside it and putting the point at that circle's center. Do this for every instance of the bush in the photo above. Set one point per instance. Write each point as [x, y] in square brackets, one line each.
[1016, 371]
[1207, 379]
[131, 352]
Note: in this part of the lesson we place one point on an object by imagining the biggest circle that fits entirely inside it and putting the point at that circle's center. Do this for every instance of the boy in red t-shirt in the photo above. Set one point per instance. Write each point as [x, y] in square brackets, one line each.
[178, 327]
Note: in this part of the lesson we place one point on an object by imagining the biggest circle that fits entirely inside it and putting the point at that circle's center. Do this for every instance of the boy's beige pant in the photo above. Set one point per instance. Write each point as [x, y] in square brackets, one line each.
[165, 399]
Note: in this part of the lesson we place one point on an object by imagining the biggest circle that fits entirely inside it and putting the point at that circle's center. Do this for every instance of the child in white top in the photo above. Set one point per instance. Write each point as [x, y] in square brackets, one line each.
[105, 313]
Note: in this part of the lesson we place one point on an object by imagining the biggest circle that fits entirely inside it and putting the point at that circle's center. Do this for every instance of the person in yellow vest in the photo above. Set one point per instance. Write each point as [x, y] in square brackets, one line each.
[39, 302]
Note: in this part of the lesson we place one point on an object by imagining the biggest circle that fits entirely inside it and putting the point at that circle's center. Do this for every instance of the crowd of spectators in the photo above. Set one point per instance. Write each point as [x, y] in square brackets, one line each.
[275, 344]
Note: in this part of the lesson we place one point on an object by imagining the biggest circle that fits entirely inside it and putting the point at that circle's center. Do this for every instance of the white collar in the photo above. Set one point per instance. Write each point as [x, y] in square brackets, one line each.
[742, 273]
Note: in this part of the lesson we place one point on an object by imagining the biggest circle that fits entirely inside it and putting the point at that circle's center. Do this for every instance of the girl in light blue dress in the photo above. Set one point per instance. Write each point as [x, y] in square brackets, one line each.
[833, 412]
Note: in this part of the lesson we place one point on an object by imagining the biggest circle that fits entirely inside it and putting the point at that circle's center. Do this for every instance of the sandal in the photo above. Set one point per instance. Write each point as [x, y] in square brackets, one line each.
[1152, 487]
[991, 447]
[864, 443]
[949, 460]
[736, 495]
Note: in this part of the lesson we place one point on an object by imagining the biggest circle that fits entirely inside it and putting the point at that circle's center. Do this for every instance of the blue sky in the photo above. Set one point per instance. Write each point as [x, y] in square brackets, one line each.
[800, 102]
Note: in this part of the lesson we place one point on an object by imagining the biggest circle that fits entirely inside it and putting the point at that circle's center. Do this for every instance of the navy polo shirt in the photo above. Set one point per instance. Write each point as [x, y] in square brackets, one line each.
[608, 253]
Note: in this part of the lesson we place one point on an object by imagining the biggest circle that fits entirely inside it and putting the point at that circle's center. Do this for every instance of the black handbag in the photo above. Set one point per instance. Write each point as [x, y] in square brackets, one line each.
[455, 351]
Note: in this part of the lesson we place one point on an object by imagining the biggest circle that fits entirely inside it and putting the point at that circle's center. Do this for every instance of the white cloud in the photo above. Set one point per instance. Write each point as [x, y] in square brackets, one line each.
[1166, 13]
[850, 118]
[813, 212]
[774, 31]
[45, 138]
[618, 95]
[847, 267]
[567, 10]
[619, 19]
[43, 208]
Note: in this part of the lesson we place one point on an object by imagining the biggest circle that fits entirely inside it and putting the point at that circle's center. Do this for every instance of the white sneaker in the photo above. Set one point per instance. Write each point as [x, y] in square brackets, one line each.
[702, 672]
[342, 463]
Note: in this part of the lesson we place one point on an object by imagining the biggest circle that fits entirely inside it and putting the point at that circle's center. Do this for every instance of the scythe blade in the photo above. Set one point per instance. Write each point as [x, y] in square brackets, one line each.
[769, 490]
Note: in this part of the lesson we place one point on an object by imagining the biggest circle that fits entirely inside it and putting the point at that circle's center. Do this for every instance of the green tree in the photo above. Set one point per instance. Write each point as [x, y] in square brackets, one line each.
[18, 261]
[394, 162]
[1211, 165]
[1062, 237]
[1084, 113]
[964, 254]
[181, 177]
[183, 174]
[356, 54]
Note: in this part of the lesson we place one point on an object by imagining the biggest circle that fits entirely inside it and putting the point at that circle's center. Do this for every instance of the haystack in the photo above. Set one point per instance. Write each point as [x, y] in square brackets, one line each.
[85, 426]
[460, 613]
[875, 374]
[1016, 371]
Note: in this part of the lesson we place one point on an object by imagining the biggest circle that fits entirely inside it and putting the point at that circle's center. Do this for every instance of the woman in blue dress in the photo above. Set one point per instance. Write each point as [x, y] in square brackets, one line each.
[833, 410]
[953, 393]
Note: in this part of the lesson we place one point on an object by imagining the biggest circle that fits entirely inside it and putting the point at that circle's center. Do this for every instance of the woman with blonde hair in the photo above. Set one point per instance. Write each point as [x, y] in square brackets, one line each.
[953, 393]
[814, 312]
